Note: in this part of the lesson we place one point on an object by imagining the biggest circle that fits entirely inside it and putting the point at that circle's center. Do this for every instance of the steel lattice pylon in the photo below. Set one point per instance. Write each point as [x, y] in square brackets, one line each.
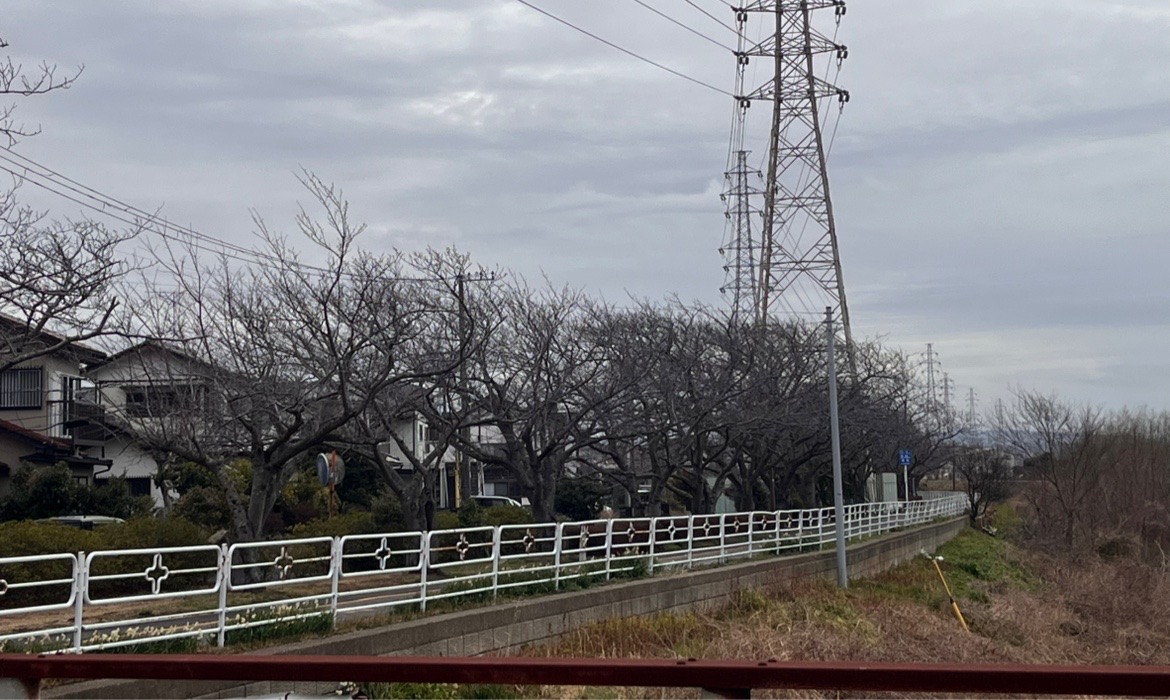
[791, 257]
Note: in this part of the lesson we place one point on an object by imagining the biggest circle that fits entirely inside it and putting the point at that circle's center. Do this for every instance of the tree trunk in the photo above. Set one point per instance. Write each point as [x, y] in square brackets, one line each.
[544, 498]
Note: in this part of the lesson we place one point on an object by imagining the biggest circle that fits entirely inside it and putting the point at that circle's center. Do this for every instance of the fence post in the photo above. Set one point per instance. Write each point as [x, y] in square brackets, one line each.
[722, 538]
[424, 562]
[79, 586]
[751, 540]
[820, 529]
[225, 574]
[690, 540]
[608, 547]
[335, 562]
[653, 541]
[557, 537]
[799, 532]
[497, 535]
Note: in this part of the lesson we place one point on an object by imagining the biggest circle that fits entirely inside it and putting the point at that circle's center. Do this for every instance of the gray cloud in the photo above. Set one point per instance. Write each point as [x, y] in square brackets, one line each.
[999, 175]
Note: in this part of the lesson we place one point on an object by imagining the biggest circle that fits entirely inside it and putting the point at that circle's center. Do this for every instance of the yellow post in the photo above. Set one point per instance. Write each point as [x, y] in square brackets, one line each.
[947, 588]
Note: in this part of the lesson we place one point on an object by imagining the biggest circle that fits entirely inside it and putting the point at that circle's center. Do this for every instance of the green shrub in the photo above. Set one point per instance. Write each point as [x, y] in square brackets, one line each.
[507, 515]
[446, 520]
[579, 499]
[355, 523]
[150, 533]
[50, 491]
[472, 514]
[26, 538]
[387, 512]
[204, 505]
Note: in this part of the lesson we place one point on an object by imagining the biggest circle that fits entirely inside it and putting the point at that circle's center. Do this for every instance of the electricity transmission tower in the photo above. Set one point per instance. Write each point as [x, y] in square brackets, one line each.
[791, 258]
[931, 392]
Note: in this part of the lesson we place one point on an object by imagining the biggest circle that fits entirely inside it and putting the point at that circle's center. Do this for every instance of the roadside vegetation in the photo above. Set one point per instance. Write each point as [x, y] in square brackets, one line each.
[1025, 602]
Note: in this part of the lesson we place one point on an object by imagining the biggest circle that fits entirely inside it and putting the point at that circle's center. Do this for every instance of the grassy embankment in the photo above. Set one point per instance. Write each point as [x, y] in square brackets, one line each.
[1023, 606]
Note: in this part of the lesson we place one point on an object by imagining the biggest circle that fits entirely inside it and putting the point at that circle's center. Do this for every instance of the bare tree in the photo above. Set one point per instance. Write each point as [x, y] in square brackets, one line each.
[1060, 444]
[15, 80]
[59, 282]
[538, 387]
[57, 279]
[987, 475]
[458, 327]
[280, 355]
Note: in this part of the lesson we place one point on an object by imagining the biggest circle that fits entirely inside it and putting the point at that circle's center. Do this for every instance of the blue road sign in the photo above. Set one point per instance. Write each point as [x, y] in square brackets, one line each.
[905, 458]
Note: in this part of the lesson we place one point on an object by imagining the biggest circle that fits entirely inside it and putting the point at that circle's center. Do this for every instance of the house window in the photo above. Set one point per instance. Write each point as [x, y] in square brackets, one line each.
[21, 387]
[139, 485]
[156, 401]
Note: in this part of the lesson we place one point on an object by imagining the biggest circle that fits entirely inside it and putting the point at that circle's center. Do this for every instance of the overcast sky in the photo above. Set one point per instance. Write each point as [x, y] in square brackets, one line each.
[1001, 175]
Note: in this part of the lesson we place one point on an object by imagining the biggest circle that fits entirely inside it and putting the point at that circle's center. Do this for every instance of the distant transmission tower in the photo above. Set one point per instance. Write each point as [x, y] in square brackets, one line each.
[931, 393]
[792, 260]
[740, 251]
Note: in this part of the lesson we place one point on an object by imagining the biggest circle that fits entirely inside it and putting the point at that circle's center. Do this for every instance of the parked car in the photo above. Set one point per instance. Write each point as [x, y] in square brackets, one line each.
[83, 522]
[496, 501]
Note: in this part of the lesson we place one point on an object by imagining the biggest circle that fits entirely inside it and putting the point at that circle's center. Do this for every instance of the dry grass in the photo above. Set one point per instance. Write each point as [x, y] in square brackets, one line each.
[1023, 607]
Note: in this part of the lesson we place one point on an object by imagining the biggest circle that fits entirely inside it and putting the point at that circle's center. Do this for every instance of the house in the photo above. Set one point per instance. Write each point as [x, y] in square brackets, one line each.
[414, 431]
[48, 408]
[137, 386]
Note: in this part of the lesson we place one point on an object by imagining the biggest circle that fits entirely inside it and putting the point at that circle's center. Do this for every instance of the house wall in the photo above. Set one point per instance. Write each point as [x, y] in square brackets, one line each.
[43, 420]
[131, 462]
[412, 431]
[11, 451]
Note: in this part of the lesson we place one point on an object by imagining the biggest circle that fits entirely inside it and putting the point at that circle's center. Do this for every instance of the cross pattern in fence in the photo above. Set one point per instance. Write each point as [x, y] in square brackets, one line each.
[216, 594]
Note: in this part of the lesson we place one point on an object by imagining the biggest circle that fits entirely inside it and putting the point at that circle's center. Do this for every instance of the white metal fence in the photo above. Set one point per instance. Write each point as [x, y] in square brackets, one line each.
[149, 599]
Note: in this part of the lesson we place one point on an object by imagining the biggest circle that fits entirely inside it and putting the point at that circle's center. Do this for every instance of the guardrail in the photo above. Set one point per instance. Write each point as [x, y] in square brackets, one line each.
[178, 598]
[20, 675]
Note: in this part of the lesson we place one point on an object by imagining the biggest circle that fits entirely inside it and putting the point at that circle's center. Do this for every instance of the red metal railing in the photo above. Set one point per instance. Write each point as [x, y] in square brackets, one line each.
[727, 678]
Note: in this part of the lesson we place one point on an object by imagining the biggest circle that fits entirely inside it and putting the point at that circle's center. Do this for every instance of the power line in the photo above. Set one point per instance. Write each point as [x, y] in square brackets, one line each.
[626, 51]
[117, 210]
[30, 167]
[687, 27]
[718, 21]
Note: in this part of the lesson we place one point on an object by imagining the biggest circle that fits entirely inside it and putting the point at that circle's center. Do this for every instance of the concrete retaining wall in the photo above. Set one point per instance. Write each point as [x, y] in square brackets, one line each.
[507, 626]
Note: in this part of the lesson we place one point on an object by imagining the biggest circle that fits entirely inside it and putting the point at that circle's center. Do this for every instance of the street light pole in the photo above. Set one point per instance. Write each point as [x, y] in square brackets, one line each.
[835, 431]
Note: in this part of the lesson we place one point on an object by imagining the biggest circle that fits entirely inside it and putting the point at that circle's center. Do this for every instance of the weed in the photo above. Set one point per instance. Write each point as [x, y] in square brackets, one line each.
[441, 691]
[433, 691]
[976, 557]
[276, 623]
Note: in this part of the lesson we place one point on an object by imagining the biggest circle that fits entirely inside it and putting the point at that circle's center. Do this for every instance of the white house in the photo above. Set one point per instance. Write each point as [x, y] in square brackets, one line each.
[137, 385]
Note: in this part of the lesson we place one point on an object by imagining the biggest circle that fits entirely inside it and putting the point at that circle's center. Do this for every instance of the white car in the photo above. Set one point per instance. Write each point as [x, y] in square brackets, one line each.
[494, 501]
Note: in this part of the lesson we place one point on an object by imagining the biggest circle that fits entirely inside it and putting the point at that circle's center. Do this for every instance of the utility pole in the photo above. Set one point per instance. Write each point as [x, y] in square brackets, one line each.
[948, 410]
[835, 438]
[465, 481]
[795, 258]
